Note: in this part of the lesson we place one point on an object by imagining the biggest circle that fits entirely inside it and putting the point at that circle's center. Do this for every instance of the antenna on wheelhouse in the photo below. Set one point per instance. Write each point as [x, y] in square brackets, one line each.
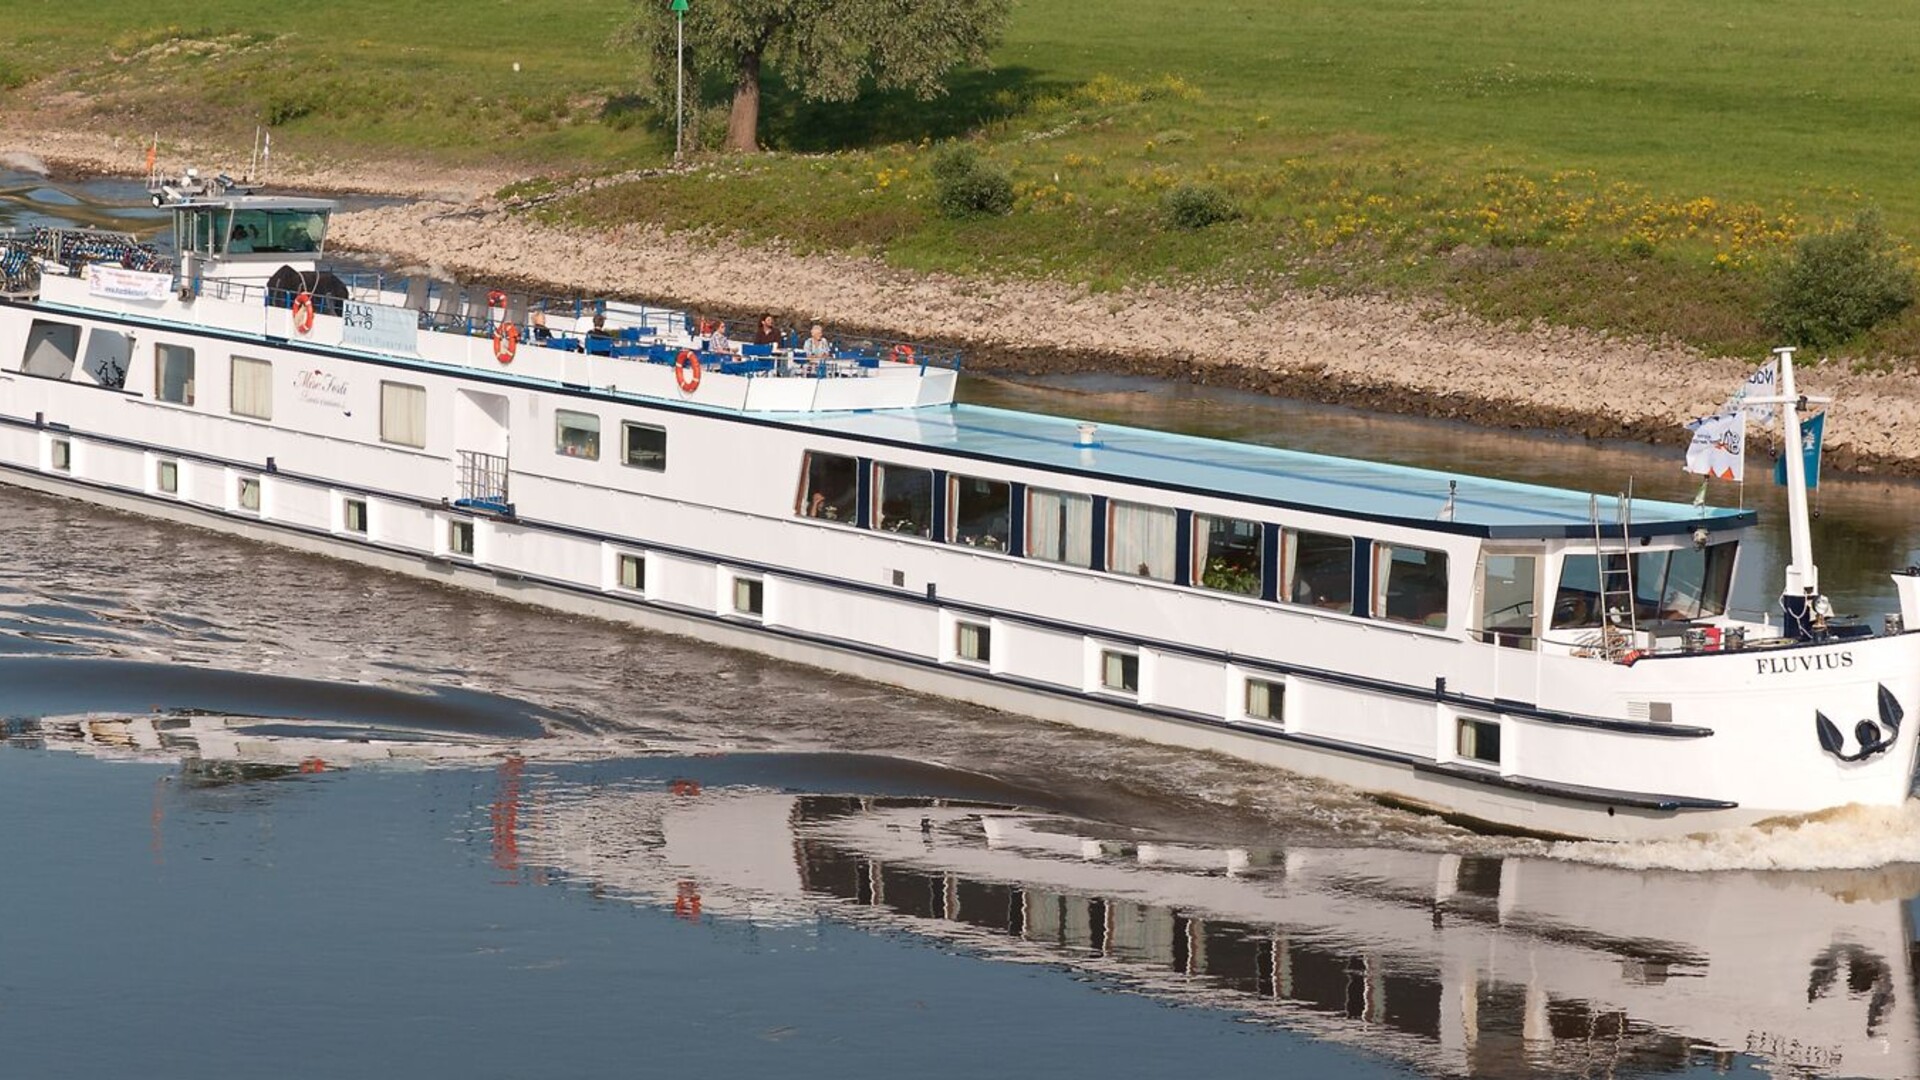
[1802, 605]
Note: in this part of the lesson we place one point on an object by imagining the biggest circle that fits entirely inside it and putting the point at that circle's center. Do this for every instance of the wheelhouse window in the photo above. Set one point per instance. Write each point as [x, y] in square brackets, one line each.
[1685, 583]
[403, 414]
[1226, 554]
[645, 446]
[1318, 570]
[1577, 603]
[973, 641]
[1410, 585]
[1120, 671]
[1060, 527]
[1140, 540]
[576, 434]
[173, 374]
[903, 498]
[1507, 600]
[284, 231]
[829, 487]
[980, 512]
[252, 388]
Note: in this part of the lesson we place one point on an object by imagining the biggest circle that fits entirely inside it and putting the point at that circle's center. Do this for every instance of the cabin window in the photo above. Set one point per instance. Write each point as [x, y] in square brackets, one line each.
[1140, 540]
[973, 641]
[1060, 527]
[576, 434]
[460, 537]
[633, 572]
[166, 477]
[173, 374]
[749, 597]
[1577, 604]
[1226, 554]
[108, 354]
[1318, 570]
[980, 512]
[252, 388]
[829, 487]
[62, 459]
[1479, 740]
[250, 493]
[353, 515]
[1410, 585]
[403, 414]
[646, 446]
[52, 349]
[1120, 671]
[904, 499]
[1507, 598]
[287, 231]
[1264, 700]
[1687, 583]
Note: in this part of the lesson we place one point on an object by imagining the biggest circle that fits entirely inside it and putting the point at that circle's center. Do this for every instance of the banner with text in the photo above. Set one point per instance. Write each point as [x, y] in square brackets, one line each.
[377, 327]
[112, 281]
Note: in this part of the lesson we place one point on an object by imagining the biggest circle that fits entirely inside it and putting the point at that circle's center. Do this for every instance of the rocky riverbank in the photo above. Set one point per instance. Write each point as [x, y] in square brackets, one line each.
[1387, 355]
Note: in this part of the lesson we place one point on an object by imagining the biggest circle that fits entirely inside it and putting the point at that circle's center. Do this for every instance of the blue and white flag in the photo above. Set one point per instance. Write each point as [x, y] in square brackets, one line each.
[1811, 430]
[1764, 382]
[1719, 447]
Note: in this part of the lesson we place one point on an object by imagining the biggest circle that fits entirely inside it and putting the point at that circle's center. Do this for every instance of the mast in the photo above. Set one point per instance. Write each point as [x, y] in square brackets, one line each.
[1800, 598]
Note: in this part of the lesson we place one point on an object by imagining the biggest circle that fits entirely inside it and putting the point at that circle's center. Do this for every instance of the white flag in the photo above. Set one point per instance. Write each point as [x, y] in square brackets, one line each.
[1719, 446]
[1764, 382]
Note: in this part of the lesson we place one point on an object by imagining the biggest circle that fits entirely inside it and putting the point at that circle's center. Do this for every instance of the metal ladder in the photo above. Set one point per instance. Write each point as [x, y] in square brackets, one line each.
[1615, 566]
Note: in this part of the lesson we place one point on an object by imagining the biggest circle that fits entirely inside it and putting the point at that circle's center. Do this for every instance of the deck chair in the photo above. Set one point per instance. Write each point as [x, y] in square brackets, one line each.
[417, 287]
[446, 311]
[517, 308]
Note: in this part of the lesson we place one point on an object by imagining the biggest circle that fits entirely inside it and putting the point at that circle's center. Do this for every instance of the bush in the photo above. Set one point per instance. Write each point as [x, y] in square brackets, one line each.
[1839, 284]
[965, 187]
[1195, 206]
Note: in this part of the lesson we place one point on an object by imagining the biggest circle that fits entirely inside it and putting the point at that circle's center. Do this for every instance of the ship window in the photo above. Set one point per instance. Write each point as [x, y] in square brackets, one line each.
[633, 572]
[749, 596]
[646, 446]
[1688, 583]
[403, 414]
[1410, 585]
[973, 641]
[166, 477]
[460, 537]
[1140, 540]
[62, 455]
[981, 512]
[250, 493]
[1060, 527]
[904, 499]
[1226, 554]
[576, 434]
[1577, 604]
[1120, 671]
[1507, 598]
[252, 388]
[1479, 740]
[1264, 699]
[52, 349]
[290, 231]
[353, 515]
[828, 487]
[1318, 570]
[173, 374]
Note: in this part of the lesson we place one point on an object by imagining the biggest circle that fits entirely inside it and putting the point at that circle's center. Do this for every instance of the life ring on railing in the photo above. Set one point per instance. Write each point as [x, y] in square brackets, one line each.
[686, 371]
[903, 353]
[496, 299]
[506, 341]
[303, 312]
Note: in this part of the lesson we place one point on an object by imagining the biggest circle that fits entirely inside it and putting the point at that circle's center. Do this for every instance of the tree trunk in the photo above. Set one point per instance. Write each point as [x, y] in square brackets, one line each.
[743, 123]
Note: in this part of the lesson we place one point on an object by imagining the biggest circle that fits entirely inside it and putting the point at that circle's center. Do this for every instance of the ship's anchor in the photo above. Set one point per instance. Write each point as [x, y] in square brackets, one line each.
[1873, 738]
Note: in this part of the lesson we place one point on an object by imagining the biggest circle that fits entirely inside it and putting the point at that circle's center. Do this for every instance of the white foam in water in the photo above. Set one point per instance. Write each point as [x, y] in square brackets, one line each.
[1849, 838]
[23, 162]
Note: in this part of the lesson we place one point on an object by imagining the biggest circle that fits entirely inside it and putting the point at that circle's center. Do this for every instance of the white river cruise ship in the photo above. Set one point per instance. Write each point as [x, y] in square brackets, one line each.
[1511, 655]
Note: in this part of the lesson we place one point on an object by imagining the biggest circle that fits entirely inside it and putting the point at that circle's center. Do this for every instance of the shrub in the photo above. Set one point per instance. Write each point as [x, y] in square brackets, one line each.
[1196, 206]
[965, 187]
[1839, 284]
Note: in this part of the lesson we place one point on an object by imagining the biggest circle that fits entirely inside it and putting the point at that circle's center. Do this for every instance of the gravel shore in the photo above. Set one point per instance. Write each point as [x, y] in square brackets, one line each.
[1386, 355]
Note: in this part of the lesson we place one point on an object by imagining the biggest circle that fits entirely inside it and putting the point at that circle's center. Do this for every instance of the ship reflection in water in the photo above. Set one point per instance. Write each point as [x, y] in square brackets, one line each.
[1448, 963]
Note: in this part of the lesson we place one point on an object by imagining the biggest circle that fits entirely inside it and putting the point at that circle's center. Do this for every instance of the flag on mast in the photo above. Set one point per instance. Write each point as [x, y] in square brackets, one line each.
[153, 153]
[1719, 446]
[1811, 430]
[1764, 382]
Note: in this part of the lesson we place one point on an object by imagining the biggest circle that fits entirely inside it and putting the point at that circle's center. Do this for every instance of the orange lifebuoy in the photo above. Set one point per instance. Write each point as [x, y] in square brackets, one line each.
[496, 299]
[706, 327]
[686, 371]
[506, 340]
[903, 353]
[303, 312]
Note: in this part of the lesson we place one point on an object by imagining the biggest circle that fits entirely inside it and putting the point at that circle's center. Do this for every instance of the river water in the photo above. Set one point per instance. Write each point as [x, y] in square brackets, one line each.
[267, 811]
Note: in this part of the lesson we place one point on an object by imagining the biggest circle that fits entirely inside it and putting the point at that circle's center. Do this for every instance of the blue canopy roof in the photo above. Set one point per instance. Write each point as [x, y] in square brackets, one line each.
[1364, 490]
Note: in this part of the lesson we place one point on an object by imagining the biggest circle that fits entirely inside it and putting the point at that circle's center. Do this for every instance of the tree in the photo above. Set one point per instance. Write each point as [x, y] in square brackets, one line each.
[828, 50]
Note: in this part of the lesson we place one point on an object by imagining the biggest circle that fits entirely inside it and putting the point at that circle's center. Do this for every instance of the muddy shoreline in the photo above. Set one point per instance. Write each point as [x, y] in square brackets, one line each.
[1388, 356]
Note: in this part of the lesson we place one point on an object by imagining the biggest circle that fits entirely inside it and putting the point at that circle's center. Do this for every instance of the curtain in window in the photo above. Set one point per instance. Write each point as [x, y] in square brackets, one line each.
[403, 414]
[1060, 527]
[252, 388]
[1143, 541]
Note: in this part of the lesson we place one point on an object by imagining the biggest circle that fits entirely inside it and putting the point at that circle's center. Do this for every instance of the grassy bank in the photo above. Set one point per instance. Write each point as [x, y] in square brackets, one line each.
[1632, 166]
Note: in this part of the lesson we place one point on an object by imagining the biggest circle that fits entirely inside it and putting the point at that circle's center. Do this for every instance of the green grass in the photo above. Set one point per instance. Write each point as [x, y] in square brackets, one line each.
[1639, 166]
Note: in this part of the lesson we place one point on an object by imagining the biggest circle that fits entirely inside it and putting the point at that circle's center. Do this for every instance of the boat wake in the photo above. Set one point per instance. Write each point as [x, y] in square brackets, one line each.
[1846, 838]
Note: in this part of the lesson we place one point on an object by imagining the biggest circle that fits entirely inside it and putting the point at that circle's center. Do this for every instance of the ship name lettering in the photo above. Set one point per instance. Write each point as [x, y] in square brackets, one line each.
[1787, 665]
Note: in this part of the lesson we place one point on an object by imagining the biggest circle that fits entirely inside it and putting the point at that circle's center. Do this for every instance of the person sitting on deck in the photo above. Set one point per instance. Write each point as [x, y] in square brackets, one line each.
[767, 333]
[541, 335]
[817, 346]
[718, 341]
